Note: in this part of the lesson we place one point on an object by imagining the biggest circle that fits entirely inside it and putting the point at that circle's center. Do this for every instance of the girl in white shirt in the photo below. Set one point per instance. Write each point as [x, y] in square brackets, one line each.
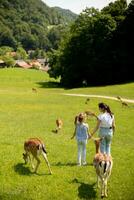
[106, 126]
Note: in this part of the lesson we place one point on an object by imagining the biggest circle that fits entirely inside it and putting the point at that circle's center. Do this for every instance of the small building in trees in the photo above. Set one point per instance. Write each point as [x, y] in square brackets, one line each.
[2, 63]
[23, 64]
[35, 63]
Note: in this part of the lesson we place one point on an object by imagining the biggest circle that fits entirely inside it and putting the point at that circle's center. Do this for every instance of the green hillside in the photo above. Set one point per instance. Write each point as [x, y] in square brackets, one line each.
[25, 23]
[67, 15]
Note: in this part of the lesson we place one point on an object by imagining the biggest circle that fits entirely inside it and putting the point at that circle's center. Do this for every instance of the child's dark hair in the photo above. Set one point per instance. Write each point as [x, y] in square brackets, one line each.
[80, 117]
[76, 119]
[106, 108]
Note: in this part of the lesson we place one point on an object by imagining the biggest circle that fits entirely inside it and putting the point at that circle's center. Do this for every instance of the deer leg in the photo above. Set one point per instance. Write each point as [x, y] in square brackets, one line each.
[38, 163]
[31, 161]
[105, 188]
[102, 189]
[47, 162]
[25, 157]
[98, 186]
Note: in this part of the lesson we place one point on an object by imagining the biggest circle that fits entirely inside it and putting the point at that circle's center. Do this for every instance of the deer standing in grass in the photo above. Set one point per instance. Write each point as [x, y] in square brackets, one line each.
[34, 90]
[103, 164]
[59, 124]
[35, 147]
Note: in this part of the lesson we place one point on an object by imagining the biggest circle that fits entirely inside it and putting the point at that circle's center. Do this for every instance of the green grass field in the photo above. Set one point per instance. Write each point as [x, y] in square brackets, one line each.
[25, 114]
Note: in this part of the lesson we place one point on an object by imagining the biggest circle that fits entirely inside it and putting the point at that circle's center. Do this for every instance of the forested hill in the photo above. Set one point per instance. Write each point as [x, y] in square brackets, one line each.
[67, 15]
[26, 22]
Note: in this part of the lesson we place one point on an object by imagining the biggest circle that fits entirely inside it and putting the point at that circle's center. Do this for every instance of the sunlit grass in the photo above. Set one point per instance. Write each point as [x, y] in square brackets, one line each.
[25, 114]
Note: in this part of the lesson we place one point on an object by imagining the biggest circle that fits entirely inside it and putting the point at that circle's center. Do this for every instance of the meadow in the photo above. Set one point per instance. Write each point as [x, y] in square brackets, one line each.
[25, 114]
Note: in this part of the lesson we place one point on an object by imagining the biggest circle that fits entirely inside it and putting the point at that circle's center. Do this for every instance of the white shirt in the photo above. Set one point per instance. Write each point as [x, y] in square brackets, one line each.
[106, 120]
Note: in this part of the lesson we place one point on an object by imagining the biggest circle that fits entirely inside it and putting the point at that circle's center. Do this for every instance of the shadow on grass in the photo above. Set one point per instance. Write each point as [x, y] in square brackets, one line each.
[54, 84]
[43, 174]
[69, 164]
[64, 164]
[21, 169]
[86, 191]
[49, 84]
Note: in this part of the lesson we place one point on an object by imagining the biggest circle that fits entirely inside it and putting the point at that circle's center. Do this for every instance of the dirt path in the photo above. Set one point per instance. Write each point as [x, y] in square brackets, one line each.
[99, 96]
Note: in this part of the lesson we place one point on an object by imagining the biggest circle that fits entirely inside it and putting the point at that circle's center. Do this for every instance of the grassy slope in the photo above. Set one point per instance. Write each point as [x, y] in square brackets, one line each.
[124, 90]
[25, 114]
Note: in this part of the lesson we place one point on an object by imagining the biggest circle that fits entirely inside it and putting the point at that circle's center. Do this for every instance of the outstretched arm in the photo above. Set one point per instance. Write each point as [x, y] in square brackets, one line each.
[88, 133]
[94, 115]
[89, 113]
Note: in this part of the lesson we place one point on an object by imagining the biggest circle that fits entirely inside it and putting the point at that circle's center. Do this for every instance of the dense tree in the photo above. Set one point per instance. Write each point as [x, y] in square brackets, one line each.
[21, 54]
[4, 50]
[9, 61]
[56, 33]
[123, 46]
[116, 10]
[97, 48]
[38, 53]
[6, 37]
[79, 57]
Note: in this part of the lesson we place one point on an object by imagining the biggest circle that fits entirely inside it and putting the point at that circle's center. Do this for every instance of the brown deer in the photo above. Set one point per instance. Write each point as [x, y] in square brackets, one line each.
[87, 100]
[35, 147]
[59, 124]
[122, 102]
[34, 90]
[118, 97]
[103, 165]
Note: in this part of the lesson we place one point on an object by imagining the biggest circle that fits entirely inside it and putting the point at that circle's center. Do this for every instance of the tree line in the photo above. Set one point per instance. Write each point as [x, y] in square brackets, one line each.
[98, 48]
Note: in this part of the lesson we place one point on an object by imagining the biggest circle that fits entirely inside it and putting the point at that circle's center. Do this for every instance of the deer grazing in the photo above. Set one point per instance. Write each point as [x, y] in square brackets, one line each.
[35, 147]
[87, 100]
[122, 102]
[103, 165]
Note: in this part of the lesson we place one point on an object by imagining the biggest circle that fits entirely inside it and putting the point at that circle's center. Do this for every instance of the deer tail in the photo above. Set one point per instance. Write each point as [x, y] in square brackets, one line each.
[43, 149]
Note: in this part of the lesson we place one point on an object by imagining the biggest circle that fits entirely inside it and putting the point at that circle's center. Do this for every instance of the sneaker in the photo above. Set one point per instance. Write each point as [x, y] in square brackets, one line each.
[78, 164]
[84, 163]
